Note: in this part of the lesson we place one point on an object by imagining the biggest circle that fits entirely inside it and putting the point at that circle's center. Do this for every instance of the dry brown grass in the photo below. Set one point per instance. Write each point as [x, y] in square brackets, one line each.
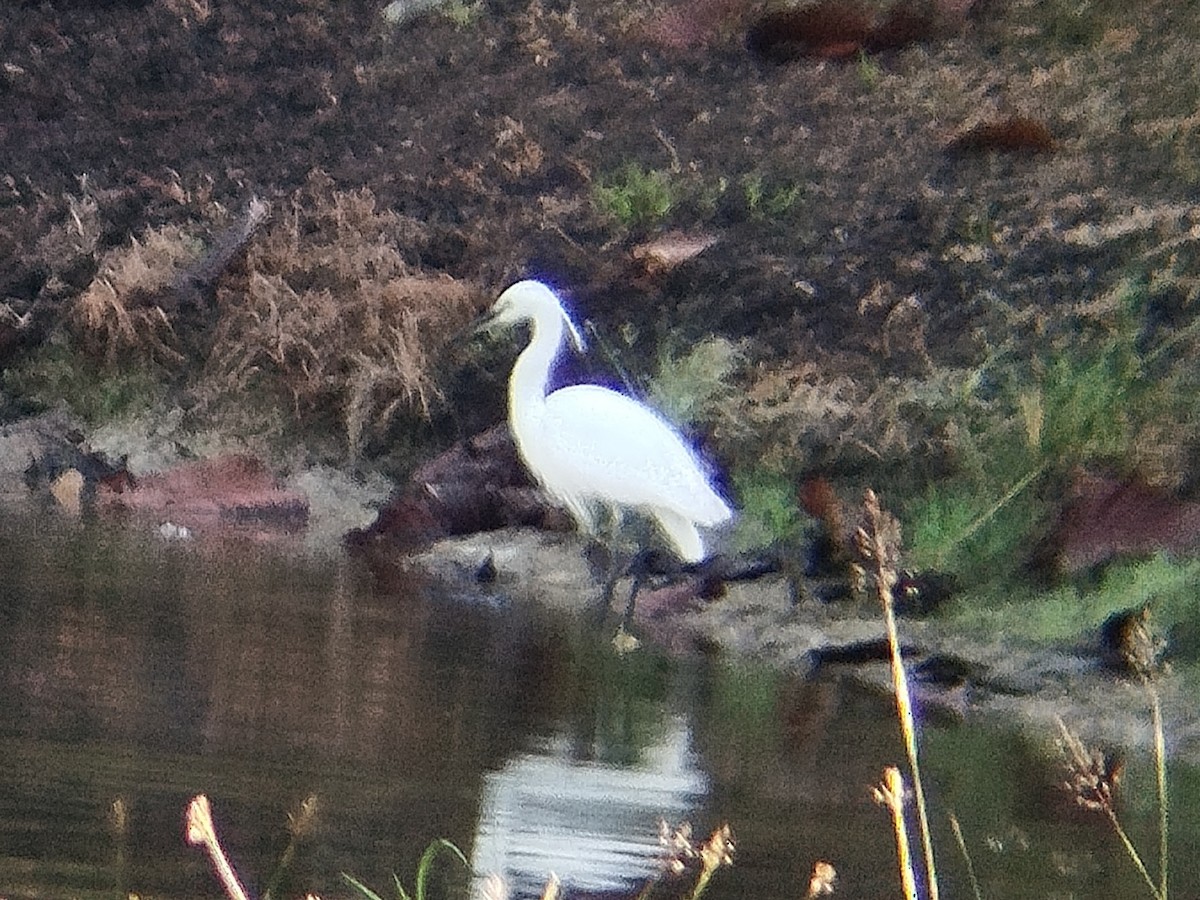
[121, 314]
[330, 311]
[321, 312]
[127, 313]
[807, 411]
[879, 542]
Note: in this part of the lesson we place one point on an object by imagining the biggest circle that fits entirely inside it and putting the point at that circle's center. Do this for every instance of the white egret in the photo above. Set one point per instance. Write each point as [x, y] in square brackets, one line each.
[594, 449]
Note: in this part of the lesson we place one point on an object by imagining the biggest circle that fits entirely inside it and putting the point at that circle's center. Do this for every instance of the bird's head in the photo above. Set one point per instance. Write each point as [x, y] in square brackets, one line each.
[532, 301]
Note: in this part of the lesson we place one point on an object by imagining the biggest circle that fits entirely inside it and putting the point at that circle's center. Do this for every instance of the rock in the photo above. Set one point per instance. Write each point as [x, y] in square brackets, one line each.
[1128, 644]
[25, 442]
[1012, 134]
[477, 485]
[212, 494]
[67, 491]
[837, 30]
[1107, 517]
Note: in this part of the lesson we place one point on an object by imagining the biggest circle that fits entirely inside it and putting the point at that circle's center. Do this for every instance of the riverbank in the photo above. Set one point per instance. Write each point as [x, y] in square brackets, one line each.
[957, 667]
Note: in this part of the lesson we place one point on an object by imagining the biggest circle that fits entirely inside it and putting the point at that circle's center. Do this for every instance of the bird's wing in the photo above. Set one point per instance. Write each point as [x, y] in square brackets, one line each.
[612, 448]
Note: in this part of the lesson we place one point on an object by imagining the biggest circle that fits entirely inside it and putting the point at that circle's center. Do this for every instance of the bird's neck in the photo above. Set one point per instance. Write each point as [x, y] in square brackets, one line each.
[531, 372]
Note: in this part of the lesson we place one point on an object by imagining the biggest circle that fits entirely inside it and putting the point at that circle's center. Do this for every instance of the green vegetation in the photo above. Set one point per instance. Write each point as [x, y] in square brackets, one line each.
[1091, 777]
[1062, 613]
[869, 70]
[461, 13]
[956, 529]
[975, 461]
[697, 388]
[977, 225]
[767, 200]
[400, 13]
[636, 197]
[1099, 394]
[58, 373]
[1071, 24]
[420, 891]
[690, 388]
[769, 514]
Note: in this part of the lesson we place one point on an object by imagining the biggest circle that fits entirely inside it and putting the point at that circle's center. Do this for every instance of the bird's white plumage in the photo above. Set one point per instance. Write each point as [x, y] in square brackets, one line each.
[591, 447]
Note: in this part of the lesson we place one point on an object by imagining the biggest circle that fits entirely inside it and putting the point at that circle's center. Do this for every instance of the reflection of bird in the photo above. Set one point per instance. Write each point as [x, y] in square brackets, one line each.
[592, 448]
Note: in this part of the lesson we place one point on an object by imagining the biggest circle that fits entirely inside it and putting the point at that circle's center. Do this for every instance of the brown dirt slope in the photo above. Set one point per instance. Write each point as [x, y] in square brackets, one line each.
[827, 182]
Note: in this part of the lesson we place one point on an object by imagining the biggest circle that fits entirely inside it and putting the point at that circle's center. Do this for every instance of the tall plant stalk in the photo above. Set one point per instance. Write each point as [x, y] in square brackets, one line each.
[879, 541]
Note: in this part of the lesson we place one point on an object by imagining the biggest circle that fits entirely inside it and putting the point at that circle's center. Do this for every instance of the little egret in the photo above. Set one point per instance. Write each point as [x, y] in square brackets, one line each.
[593, 449]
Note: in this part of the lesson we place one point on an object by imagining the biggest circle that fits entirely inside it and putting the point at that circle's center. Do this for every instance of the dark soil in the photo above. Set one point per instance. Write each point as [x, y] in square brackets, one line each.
[493, 132]
[863, 222]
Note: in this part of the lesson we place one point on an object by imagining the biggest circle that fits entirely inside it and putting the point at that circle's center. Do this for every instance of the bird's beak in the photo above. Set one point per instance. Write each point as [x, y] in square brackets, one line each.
[487, 322]
[484, 322]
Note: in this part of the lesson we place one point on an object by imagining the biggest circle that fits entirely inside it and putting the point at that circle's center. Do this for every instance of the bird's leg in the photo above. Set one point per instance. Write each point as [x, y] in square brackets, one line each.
[606, 559]
[617, 559]
[615, 568]
[638, 568]
[604, 606]
[606, 567]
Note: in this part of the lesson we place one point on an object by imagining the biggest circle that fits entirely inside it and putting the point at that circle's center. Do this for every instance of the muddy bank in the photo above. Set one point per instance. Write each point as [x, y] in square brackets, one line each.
[761, 618]
[1001, 678]
[846, 242]
[136, 476]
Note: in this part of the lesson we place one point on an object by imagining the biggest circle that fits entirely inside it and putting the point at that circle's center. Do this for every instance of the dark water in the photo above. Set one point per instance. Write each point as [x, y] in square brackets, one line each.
[142, 673]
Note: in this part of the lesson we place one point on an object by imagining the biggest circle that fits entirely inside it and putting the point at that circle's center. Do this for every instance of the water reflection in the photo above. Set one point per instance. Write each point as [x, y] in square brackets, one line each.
[592, 824]
[144, 672]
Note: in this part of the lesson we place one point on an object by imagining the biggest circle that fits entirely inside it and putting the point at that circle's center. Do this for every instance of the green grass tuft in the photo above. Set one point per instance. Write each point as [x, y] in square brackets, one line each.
[420, 891]
[766, 200]
[636, 197]
[687, 389]
[769, 513]
[1064, 613]
[56, 373]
